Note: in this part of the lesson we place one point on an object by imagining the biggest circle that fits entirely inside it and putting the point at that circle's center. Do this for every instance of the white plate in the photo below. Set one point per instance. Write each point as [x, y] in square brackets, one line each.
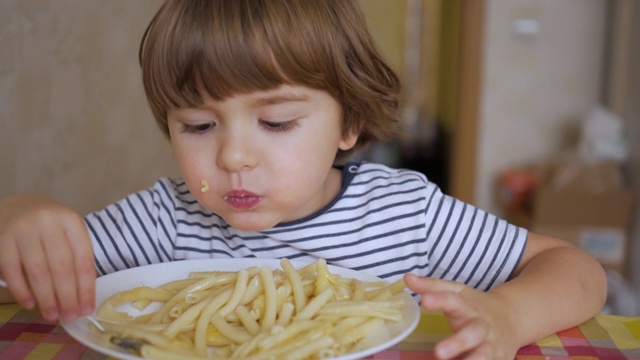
[158, 274]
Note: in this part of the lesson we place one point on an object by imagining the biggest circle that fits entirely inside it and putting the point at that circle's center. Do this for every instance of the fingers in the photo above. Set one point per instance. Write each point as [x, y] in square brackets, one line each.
[84, 267]
[36, 269]
[62, 275]
[467, 313]
[47, 259]
[453, 305]
[422, 285]
[471, 331]
[14, 277]
[70, 261]
[469, 340]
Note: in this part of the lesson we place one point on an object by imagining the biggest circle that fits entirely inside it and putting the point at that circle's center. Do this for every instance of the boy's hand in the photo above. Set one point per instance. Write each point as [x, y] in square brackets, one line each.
[481, 321]
[46, 257]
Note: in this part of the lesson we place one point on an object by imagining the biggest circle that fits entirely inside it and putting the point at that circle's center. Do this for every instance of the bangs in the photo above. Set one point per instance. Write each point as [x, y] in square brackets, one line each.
[227, 48]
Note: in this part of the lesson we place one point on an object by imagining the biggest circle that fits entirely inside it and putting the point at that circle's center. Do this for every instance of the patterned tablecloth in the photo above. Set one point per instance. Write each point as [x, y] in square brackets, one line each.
[25, 335]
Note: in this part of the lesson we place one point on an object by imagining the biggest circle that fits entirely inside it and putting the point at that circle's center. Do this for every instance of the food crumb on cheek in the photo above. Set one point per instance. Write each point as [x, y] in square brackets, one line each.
[205, 186]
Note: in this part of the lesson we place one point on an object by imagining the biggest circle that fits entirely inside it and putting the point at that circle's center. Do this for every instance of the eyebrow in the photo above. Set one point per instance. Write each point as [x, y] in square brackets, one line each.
[280, 98]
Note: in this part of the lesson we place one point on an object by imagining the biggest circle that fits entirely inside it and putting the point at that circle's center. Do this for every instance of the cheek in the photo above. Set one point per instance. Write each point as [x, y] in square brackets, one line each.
[193, 178]
[183, 156]
[201, 184]
[304, 165]
[191, 163]
[319, 141]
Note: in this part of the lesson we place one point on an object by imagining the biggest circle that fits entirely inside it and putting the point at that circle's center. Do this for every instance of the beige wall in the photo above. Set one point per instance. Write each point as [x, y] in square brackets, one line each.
[536, 89]
[74, 123]
[386, 19]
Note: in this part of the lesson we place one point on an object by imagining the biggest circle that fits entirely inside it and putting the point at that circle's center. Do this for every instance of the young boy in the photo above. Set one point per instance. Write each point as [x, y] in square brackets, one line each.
[259, 99]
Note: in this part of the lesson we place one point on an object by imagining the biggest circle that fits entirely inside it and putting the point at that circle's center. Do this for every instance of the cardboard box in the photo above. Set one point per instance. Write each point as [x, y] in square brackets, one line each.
[584, 204]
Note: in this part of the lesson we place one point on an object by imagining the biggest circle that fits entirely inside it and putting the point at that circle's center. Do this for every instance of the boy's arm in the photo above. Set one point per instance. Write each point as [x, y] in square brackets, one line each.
[556, 286]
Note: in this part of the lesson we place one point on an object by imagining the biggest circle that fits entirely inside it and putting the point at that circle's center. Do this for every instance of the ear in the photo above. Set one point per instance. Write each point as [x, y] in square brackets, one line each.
[348, 141]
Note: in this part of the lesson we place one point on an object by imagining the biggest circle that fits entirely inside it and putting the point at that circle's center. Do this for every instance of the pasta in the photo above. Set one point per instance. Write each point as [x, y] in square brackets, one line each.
[288, 313]
[205, 186]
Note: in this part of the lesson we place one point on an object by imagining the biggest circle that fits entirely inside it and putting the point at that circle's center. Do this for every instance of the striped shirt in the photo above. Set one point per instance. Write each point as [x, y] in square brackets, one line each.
[384, 222]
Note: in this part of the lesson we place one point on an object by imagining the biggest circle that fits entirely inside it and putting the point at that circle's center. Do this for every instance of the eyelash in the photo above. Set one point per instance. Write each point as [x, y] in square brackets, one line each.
[278, 126]
[268, 125]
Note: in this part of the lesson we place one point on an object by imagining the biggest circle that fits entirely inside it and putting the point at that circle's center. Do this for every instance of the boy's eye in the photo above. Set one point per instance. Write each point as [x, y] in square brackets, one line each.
[278, 126]
[198, 129]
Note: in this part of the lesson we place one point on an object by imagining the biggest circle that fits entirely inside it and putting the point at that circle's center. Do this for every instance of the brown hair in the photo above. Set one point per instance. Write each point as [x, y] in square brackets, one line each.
[238, 46]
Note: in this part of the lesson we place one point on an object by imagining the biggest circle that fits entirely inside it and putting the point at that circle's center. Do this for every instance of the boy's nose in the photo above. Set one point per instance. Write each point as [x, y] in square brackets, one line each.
[236, 153]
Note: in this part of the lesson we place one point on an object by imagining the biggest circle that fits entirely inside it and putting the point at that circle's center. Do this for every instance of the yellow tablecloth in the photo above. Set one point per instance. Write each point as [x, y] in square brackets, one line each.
[25, 335]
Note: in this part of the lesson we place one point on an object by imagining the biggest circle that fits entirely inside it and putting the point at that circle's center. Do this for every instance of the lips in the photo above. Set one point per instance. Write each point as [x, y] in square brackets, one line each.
[242, 199]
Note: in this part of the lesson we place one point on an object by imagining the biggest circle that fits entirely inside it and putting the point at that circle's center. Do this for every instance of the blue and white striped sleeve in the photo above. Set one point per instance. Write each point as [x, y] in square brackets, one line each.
[137, 230]
[469, 245]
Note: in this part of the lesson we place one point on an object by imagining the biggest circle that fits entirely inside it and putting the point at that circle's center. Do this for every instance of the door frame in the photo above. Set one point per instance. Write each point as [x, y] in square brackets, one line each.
[464, 144]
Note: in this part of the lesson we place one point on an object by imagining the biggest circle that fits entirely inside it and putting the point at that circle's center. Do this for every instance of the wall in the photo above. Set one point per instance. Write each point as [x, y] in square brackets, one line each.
[74, 123]
[387, 23]
[535, 89]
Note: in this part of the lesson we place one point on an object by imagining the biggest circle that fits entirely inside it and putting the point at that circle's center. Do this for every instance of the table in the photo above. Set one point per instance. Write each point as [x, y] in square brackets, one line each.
[25, 335]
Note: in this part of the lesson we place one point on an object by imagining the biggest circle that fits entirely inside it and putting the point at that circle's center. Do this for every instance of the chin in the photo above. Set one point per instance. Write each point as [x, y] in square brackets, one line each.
[250, 223]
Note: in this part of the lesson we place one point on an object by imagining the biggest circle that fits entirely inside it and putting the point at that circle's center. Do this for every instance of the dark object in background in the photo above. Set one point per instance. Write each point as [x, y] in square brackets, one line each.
[426, 151]
[429, 156]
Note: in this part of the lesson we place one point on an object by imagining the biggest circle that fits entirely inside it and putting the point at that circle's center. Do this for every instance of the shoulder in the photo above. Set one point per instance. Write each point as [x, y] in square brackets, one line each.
[367, 172]
[378, 176]
[371, 184]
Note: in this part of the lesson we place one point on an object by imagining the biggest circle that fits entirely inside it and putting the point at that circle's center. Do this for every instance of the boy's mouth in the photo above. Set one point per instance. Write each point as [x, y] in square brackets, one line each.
[242, 199]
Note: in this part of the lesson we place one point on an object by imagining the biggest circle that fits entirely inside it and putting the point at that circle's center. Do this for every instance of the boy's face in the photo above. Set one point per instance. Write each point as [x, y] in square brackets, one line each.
[267, 156]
